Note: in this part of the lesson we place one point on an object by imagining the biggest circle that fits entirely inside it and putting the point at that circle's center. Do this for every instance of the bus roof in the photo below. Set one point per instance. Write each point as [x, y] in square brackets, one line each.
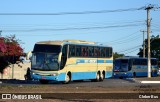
[79, 42]
[51, 42]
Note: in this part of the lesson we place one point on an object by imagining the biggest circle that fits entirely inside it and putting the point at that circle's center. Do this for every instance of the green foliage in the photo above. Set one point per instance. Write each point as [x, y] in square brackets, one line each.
[116, 55]
[154, 46]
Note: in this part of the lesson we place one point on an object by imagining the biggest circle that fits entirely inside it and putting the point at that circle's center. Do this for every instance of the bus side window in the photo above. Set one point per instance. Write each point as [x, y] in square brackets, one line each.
[83, 51]
[72, 50]
[98, 52]
[107, 52]
[129, 65]
[110, 52]
[78, 51]
[86, 51]
[91, 51]
[102, 52]
[95, 51]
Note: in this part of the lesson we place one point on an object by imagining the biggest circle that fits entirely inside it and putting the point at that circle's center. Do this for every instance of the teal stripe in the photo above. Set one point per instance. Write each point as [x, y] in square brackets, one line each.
[93, 61]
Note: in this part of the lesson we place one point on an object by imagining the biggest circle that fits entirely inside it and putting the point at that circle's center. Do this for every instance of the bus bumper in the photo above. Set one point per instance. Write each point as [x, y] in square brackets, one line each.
[122, 75]
[60, 77]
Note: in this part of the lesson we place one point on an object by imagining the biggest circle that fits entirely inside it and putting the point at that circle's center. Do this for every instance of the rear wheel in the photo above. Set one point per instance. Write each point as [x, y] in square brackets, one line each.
[97, 77]
[102, 76]
[134, 74]
[44, 81]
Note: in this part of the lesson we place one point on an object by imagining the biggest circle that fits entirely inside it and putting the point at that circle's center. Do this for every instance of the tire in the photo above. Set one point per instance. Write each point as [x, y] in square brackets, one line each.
[97, 77]
[120, 77]
[67, 80]
[102, 76]
[25, 77]
[43, 81]
[134, 75]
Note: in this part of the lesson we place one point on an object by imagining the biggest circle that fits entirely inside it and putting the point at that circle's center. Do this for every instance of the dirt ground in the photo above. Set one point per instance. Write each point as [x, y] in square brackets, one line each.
[64, 93]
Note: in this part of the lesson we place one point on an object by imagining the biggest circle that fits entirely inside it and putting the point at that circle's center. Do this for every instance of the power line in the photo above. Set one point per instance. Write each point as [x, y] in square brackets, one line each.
[135, 47]
[74, 24]
[122, 38]
[73, 13]
[127, 41]
[74, 28]
[131, 51]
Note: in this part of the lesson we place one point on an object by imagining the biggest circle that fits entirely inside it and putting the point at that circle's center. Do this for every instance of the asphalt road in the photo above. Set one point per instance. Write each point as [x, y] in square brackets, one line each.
[123, 89]
[105, 83]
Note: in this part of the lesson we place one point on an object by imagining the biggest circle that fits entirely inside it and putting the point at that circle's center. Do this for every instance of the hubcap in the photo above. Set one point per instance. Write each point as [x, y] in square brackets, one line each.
[67, 78]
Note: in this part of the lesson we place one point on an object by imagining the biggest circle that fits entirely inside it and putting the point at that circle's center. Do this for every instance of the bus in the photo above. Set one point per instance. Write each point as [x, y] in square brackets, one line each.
[127, 67]
[70, 60]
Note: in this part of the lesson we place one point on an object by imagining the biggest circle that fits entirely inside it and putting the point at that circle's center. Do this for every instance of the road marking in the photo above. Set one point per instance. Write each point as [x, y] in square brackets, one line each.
[151, 82]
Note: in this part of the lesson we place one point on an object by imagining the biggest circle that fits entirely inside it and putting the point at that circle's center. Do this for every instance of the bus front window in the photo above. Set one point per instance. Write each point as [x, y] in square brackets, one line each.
[45, 61]
[124, 65]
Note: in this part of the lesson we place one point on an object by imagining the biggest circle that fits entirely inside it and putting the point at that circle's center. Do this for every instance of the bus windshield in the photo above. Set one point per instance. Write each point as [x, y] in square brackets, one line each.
[45, 61]
[121, 65]
[47, 48]
[45, 57]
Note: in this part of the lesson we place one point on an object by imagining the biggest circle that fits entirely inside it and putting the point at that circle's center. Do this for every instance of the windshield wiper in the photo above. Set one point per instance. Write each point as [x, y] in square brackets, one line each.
[46, 63]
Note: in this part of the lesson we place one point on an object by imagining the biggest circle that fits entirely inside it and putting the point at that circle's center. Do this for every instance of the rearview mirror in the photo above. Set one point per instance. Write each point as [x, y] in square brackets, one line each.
[59, 57]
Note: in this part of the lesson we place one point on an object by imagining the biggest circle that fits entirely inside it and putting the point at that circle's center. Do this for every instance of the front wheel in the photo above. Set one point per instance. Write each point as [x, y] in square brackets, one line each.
[44, 81]
[67, 80]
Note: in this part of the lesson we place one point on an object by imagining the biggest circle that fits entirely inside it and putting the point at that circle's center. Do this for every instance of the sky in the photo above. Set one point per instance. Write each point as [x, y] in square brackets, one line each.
[119, 29]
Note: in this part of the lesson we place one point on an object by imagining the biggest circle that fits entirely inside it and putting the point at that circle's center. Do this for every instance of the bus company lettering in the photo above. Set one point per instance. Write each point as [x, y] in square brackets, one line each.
[90, 61]
[86, 61]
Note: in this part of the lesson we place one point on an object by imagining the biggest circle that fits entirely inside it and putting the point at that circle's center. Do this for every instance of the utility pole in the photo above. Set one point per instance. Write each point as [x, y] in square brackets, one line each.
[148, 8]
[143, 42]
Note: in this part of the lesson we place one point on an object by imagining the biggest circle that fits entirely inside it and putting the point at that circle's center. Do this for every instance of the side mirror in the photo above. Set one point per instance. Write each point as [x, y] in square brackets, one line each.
[28, 55]
[59, 57]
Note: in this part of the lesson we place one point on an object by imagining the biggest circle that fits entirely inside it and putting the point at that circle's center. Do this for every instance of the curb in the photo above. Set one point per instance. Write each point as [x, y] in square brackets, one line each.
[136, 80]
[150, 82]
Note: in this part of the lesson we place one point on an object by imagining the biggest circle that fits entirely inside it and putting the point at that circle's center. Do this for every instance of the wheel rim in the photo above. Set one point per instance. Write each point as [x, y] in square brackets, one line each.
[67, 78]
[102, 76]
[97, 76]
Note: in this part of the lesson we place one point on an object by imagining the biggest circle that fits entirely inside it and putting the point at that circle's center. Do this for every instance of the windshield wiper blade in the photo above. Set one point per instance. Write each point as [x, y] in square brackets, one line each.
[47, 64]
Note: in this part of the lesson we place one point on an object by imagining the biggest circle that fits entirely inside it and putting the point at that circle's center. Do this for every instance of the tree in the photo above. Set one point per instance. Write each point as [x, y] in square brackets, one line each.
[116, 55]
[2, 46]
[10, 50]
[154, 46]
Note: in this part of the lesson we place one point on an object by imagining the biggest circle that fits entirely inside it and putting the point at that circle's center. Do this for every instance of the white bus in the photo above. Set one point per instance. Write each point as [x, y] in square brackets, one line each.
[70, 60]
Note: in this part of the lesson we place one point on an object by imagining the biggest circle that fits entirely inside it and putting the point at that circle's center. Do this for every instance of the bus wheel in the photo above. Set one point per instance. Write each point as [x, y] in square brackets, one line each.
[102, 76]
[68, 79]
[134, 74]
[43, 81]
[120, 77]
[97, 77]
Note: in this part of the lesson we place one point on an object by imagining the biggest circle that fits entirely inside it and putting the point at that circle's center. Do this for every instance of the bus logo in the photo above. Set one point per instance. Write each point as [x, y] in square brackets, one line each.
[6, 96]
